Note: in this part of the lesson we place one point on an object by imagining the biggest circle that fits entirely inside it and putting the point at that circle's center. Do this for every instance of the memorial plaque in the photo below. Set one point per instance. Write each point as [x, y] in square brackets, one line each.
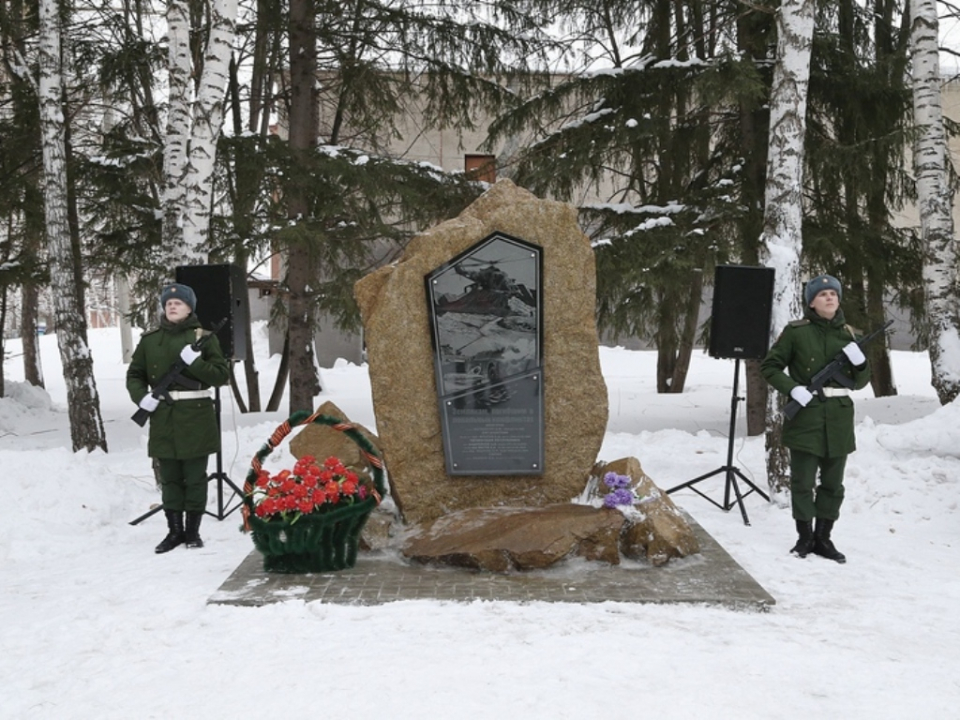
[487, 332]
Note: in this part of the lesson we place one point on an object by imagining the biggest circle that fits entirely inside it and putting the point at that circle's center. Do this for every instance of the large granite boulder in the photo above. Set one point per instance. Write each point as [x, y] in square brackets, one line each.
[501, 539]
[393, 305]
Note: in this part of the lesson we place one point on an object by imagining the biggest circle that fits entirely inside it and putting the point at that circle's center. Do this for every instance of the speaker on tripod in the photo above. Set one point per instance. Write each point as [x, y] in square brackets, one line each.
[739, 329]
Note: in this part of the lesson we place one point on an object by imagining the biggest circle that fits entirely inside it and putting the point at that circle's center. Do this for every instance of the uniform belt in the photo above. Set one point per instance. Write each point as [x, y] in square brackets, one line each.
[190, 394]
[835, 392]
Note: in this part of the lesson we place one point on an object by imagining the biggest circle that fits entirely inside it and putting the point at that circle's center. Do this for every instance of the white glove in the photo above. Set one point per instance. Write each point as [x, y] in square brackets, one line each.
[149, 402]
[188, 354]
[854, 354]
[801, 395]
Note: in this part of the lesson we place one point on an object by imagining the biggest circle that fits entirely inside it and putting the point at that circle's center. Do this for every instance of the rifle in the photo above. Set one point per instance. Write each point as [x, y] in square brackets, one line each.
[831, 371]
[161, 391]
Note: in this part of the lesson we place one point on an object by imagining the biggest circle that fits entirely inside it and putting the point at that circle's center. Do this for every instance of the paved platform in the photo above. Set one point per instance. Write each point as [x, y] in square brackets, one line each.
[712, 577]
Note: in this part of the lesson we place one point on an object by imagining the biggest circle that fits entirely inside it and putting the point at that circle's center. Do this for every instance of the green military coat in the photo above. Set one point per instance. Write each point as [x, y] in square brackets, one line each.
[823, 427]
[183, 429]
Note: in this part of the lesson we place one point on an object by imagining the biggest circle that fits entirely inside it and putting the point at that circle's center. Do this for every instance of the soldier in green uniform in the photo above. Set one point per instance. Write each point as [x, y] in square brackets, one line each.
[821, 435]
[183, 431]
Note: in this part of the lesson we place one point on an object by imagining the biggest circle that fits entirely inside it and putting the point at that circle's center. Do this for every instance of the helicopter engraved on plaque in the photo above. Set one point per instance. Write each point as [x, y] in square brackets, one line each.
[485, 311]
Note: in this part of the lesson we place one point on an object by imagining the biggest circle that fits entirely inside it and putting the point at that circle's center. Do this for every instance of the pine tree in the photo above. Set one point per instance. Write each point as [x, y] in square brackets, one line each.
[859, 107]
[355, 66]
[642, 134]
[22, 260]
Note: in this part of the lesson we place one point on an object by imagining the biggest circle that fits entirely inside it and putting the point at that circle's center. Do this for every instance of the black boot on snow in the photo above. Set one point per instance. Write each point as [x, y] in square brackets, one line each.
[822, 545]
[193, 530]
[805, 541]
[175, 531]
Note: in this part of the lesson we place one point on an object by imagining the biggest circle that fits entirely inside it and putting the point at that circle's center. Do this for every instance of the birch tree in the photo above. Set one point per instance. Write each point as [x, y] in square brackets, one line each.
[782, 239]
[86, 425]
[935, 201]
[193, 126]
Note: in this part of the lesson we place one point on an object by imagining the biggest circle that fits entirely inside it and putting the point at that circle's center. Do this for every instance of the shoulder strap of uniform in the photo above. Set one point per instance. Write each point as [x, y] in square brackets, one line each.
[799, 323]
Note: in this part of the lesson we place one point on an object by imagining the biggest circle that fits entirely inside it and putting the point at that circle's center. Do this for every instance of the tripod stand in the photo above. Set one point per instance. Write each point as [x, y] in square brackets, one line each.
[731, 471]
[220, 476]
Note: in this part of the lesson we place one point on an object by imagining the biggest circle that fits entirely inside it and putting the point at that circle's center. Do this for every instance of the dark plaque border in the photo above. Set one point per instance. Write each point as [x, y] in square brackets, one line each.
[490, 396]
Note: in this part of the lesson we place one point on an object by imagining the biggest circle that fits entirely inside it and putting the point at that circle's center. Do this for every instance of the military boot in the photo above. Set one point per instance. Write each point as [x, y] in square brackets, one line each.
[805, 540]
[192, 539]
[174, 531]
[822, 545]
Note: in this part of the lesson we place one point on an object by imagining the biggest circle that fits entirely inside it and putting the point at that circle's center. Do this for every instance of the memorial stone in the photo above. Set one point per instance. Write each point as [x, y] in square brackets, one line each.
[397, 330]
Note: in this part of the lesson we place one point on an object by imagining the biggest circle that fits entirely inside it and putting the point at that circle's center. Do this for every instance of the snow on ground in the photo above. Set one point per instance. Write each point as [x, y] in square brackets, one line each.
[98, 626]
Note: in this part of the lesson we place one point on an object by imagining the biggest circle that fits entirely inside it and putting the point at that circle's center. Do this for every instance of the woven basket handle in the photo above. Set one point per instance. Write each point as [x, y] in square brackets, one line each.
[305, 418]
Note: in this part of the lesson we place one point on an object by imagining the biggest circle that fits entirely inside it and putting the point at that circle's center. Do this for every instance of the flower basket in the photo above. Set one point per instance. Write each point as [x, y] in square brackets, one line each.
[319, 541]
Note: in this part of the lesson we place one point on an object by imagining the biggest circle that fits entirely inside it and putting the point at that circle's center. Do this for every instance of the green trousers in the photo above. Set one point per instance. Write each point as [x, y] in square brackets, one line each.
[183, 483]
[809, 499]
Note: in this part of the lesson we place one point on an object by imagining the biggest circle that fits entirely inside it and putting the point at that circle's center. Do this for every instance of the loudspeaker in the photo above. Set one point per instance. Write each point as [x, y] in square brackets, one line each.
[742, 301]
[221, 293]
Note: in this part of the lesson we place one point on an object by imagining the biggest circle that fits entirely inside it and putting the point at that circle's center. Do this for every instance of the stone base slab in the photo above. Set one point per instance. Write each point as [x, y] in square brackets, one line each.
[712, 577]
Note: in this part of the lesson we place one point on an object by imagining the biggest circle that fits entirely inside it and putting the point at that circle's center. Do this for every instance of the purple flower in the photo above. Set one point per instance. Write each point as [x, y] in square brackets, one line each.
[611, 479]
[620, 496]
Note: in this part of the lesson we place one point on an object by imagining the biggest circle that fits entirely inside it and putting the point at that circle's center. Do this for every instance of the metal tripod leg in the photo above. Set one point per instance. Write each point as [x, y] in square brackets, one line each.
[732, 472]
[220, 476]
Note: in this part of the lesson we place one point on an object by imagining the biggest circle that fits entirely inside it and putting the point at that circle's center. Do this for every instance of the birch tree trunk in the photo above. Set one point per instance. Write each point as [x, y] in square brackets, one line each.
[177, 143]
[935, 200]
[782, 239]
[83, 402]
[207, 123]
[193, 127]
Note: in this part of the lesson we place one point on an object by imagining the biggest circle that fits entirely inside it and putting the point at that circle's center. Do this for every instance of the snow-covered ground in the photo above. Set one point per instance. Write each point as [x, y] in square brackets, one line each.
[98, 626]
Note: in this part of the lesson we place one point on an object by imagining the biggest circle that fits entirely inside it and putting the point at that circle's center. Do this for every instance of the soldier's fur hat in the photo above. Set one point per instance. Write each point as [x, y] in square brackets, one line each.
[181, 292]
[818, 285]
